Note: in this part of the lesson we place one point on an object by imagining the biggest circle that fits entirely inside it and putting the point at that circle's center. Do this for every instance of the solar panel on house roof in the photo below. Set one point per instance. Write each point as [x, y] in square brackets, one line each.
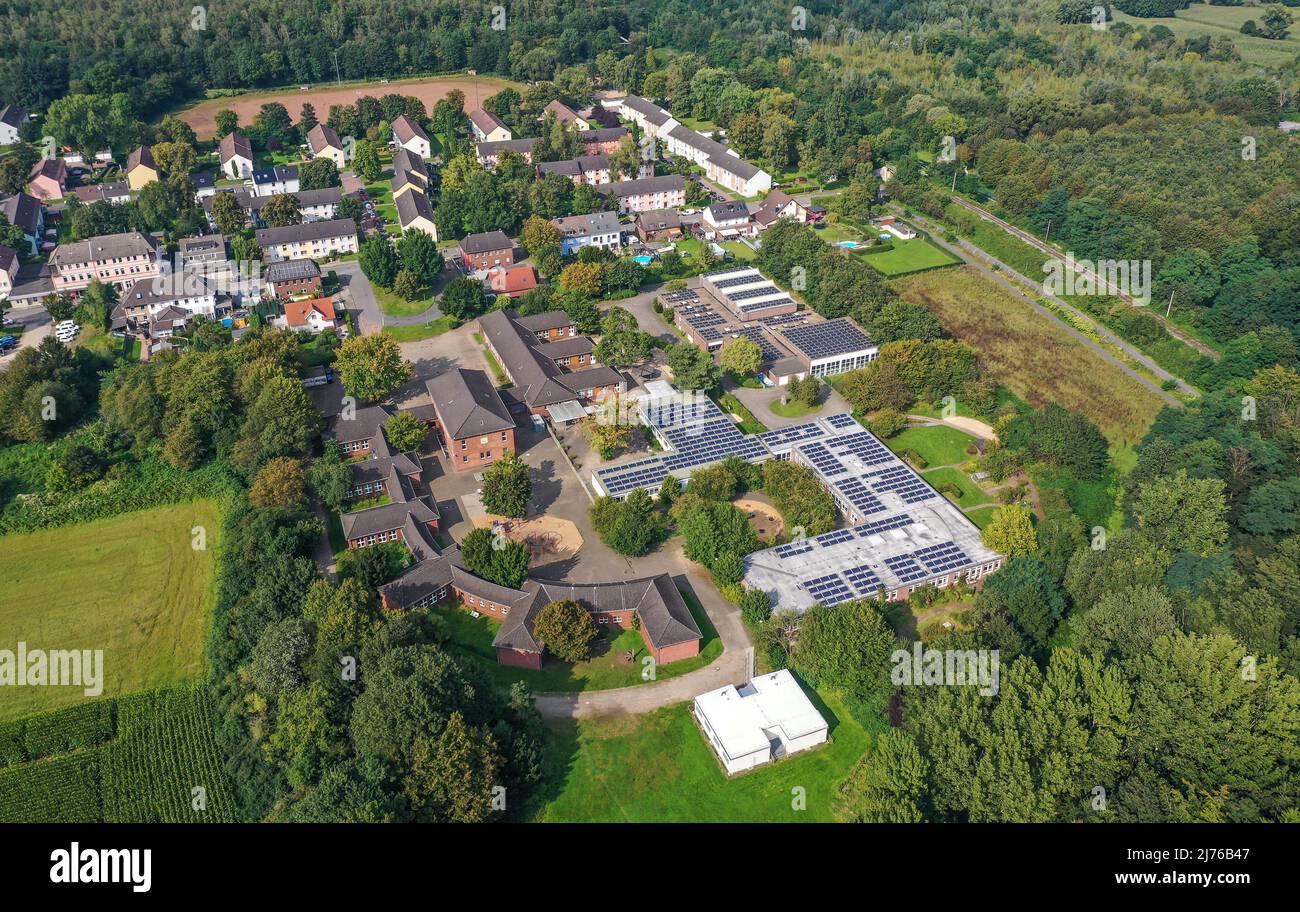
[647, 473]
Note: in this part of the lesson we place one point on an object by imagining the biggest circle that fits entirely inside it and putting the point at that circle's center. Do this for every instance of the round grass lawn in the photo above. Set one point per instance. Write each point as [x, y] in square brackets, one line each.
[793, 408]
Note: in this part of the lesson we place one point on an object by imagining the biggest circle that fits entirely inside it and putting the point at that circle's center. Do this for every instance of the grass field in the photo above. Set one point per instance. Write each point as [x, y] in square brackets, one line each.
[393, 304]
[130, 585]
[982, 516]
[420, 331]
[472, 637]
[658, 767]
[971, 495]
[1032, 354]
[909, 256]
[938, 445]
[1217, 21]
[793, 408]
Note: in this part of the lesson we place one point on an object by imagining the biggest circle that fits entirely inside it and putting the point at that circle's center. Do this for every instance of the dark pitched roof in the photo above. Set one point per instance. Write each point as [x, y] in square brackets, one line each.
[93, 193]
[322, 137]
[489, 149]
[467, 404]
[659, 184]
[8, 259]
[308, 231]
[388, 517]
[604, 135]
[22, 210]
[422, 580]
[488, 240]
[363, 425]
[659, 219]
[545, 322]
[567, 348]
[49, 167]
[486, 121]
[13, 115]
[411, 206]
[406, 160]
[538, 379]
[140, 156]
[233, 144]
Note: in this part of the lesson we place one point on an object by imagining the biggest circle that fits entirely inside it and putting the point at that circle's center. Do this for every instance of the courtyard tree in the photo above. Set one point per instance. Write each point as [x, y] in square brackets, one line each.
[371, 367]
[742, 357]
[507, 487]
[405, 432]
[566, 629]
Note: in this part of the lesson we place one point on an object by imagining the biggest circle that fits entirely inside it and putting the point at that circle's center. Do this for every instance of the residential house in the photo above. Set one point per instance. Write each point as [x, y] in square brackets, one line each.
[205, 254]
[603, 141]
[658, 225]
[406, 160]
[236, 153]
[481, 252]
[646, 193]
[280, 179]
[414, 213]
[8, 271]
[27, 213]
[12, 119]
[205, 185]
[585, 169]
[140, 168]
[325, 143]
[48, 179]
[488, 153]
[511, 280]
[157, 306]
[310, 240]
[728, 220]
[290, 279]
[565, 115]
[473, 424]
[408, 181]
[411, 136]
[488, 127]
[599, 229]
[114, 192]
[313, 205]
[312, 315]
[120, 260]
[779, 205]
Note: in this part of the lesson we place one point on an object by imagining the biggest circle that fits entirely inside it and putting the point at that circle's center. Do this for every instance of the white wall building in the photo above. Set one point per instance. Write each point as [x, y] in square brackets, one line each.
[767, 719]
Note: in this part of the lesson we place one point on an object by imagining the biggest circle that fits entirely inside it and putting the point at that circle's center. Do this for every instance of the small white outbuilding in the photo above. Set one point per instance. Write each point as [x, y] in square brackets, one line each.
[764, 720]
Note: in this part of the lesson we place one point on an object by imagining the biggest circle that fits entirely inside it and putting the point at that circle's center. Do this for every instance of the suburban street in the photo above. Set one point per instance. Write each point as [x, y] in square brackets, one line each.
[37, 325]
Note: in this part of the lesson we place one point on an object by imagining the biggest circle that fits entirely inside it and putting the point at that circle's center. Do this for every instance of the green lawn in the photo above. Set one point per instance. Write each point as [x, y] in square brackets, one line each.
[739, 251]
[938, 445]
[793, 408]
[659, 767]
[130, 585]
[982, 516]
[418, 331]
[1225, 21]
[393, 304]
[910, 256]
[472, 637]
[748, 424]
[971, 495]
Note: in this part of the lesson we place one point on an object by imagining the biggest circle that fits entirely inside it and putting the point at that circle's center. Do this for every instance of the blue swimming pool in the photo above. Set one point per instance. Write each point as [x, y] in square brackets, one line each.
[643, 259]
[848, 244]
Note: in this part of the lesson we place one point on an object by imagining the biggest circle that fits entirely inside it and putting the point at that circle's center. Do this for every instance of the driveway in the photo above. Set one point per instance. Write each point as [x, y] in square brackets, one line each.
[36, 323]
[356, 295]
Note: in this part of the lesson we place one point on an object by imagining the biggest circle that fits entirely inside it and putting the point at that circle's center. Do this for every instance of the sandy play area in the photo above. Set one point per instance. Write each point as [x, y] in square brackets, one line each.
[202, 117]
[762, 516]
[547, 537]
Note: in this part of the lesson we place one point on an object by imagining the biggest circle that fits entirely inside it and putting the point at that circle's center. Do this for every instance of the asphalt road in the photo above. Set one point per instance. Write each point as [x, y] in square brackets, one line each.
[37, 325]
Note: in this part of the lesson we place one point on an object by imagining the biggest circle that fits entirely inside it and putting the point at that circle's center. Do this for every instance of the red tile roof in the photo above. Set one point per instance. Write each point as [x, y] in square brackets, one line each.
[296, 313]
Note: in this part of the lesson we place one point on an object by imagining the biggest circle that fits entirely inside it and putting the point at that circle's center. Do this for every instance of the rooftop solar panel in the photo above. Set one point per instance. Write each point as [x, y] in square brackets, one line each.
[833, 337]
[905, 568]
[829, 590]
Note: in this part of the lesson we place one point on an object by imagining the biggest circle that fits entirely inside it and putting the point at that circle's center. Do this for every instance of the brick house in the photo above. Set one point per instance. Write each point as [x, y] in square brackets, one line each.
[293, 278]
[658, 225]
[473, 423]
[481, 252]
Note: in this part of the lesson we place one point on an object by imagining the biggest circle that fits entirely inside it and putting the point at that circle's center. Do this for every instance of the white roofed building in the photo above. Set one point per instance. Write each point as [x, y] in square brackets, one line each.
[764, 720]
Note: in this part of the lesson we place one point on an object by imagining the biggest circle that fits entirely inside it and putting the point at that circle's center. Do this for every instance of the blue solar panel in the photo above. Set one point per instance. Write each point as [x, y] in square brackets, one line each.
[942, 558]
[841, 421]
[822, 459]
[834, 538]
[859, 496]
[883, 525]
[905, 568]
[829, 590]
[788, 435]
[863, 579]
[791, 549]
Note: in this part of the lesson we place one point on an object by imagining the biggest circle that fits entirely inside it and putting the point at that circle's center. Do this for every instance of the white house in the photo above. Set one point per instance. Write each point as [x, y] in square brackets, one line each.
[325, 143]
[600, 229]
[764, 720]
[236, 156]
[488, 127]
[729, 219]
[411, 136]
[281, 179]
[12, 119]
[308, 241]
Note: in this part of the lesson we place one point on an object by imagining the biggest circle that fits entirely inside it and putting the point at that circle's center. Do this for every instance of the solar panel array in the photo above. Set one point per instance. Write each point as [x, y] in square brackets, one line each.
[884, 525]
[840, 421]
[709, 441]
[748, 293]
[865, 447]
[839, 536]
[679, 297]
[646, 473]
[825, 340]
[822, 459]
[829, 590]
[863, 579]
[794, 548]
[906, 568]
[859, 496]
[781, 437]
[902, 481]
[782, 301]
[733, 281]
[706, 322]
[756, 335]
[943, 557]
[671, 411]
[786, 319]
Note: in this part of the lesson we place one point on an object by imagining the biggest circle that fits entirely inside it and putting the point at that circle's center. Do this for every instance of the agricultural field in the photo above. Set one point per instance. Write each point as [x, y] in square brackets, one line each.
[910, 256]
[202, 116]
[658, 767]
[138, 759]
[1221, 21]
[1032, 354]
[131, 585]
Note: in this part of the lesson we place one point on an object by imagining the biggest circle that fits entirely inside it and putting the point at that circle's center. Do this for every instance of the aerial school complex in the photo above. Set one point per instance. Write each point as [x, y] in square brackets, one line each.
[901, 533]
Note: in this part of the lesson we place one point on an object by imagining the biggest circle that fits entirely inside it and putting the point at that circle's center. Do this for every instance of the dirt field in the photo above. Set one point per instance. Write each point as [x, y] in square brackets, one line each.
[202, 116]
[547, 537]
[763, 517]
[1032, 354]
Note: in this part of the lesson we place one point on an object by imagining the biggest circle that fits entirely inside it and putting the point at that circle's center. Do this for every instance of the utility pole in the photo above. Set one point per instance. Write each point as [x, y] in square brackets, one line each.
[954, 177]
[1171, 305]
[1048, 238]
[337, 77]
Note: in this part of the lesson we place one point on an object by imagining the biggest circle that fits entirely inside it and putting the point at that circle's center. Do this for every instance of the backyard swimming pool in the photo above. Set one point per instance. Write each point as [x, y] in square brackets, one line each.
[643, 259]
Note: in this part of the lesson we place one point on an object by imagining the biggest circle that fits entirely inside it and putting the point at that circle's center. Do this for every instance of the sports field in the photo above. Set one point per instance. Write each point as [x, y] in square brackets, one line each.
[131, 585]
[1032, 354]
[430, 90]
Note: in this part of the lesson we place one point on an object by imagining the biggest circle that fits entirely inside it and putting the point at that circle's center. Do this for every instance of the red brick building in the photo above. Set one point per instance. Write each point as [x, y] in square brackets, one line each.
[474, 426]
[481, 252]
[293, 278]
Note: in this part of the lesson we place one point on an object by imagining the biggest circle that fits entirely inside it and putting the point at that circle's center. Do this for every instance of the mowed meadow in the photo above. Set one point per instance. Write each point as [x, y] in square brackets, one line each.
[1032, 354]
[131, 585]
[430, 90]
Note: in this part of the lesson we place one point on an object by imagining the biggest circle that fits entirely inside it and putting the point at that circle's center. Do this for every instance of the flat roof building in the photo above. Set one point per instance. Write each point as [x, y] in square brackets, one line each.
[766, 719]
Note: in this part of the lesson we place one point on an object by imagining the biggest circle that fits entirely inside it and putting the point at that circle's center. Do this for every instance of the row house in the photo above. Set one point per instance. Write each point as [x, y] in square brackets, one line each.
[311, 240]
[280, 179]
[585, 169]
[488, 153]
[663, 192]
[157, 306]
[26, 211]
